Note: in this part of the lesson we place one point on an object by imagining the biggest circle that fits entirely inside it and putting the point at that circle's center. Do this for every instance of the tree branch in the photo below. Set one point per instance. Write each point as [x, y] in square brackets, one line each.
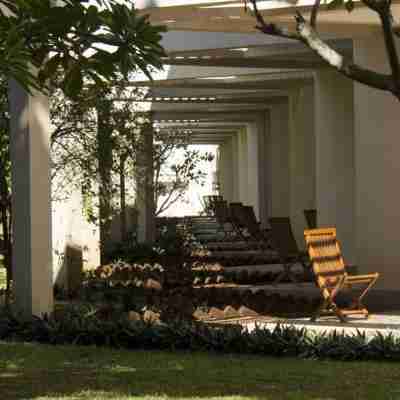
[386, 20]
[346, 67]
[270, 28]
[307, 34]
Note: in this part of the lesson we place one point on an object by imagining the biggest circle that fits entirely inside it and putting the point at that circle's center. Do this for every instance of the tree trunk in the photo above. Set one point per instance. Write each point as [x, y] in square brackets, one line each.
[5, 211]
[122, 189]
[104, 154]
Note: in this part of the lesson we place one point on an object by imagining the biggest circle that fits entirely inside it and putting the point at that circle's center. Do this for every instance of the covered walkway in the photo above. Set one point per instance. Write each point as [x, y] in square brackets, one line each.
[292, 134]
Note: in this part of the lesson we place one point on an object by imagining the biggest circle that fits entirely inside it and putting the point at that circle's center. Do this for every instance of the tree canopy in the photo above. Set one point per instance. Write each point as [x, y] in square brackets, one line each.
[93, 42]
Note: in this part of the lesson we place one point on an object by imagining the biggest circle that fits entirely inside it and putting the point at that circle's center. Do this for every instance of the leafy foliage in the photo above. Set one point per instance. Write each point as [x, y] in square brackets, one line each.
[93, 43]
[172, 178]
[85, 326]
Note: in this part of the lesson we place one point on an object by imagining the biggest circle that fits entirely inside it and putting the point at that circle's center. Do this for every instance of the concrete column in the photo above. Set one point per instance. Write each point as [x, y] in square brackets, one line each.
[32, 257]
[145, 188]
[225, 170]
[334, 127]
[301, 157]
[236, 168]
[278, 161]
[242, 163]
[254, 131]
[377, 171]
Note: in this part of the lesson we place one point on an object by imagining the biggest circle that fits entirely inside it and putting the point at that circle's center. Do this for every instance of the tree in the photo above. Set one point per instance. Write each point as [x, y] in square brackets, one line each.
[94, 146]
[89, 43]
[72, 42]
[307, 33]
[176, 165]
[5, 183]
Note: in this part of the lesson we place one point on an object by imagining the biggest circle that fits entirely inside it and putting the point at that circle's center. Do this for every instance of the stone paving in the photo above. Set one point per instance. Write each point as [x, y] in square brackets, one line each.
[384, 323]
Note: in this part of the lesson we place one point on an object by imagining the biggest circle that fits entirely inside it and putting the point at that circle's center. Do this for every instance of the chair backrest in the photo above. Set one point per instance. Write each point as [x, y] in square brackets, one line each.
[311, 218]
[209, 203]
[282, 236]
[251, 223]
[326, 257]
[222, 213]
[236, 214]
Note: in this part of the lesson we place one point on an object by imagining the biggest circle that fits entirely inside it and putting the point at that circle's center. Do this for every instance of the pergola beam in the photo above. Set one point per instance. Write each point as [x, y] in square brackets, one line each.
[248, 62]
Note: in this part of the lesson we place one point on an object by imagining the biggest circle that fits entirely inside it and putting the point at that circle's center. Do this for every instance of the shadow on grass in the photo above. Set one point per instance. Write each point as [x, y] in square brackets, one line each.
[31, 371]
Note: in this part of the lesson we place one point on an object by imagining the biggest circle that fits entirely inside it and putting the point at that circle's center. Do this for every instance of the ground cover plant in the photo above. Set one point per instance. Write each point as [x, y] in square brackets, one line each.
[115, 329]
[31, 371]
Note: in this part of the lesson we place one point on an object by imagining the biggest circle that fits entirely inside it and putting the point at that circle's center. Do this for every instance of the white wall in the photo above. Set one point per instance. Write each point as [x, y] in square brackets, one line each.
[70, 227]
[377, 162]
[334, 122]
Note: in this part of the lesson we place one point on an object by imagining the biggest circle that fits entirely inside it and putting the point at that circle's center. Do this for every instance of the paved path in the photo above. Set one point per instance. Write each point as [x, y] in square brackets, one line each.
[384, 323]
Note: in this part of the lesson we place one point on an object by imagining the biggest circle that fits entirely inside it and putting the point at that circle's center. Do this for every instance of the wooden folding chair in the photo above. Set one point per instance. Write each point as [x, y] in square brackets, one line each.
[331, 276]
[225, 220]
[286, 245]
[253, 228]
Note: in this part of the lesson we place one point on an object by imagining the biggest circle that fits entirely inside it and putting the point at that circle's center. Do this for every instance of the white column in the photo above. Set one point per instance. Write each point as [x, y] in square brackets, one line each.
[235, 167]
[334, 127]
[253, 167]
[242, 165]
[225, 169]
[377, 170]
[301, 157]
[32, 258]
[145, 197]
[278, 157]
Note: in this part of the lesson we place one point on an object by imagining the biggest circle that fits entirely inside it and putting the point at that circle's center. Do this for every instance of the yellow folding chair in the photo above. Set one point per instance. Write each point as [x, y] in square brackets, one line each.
[331, 276]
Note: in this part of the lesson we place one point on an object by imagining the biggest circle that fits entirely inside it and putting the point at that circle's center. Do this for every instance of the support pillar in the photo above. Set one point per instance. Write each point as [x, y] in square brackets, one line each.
[225, 170]
[377, 168]
[278, 157]
[145, 187]
[301, 157]
[242, 163]
[31, 201]
[334, 127]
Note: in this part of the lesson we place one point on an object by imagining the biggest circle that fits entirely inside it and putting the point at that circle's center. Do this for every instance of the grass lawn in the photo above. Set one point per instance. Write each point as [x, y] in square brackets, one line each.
[31, 371]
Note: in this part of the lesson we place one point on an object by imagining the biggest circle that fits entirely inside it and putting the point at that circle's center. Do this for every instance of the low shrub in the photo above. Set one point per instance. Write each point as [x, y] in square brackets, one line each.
[84, 326]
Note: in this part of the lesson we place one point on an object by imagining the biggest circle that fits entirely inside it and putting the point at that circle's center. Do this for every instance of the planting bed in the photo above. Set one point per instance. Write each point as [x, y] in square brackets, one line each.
[206, 292]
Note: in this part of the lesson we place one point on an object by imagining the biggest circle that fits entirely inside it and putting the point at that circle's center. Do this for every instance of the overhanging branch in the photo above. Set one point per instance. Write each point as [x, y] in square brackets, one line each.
[306, 33]
[339, 62]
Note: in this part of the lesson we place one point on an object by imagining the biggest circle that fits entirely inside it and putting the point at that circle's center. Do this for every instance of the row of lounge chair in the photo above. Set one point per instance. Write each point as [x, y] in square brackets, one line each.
[323, 256]
[239, 222]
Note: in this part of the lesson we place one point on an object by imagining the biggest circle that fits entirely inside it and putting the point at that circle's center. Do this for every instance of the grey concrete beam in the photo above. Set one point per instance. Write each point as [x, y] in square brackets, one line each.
[248, 62]
[279, 81]
[213, 100]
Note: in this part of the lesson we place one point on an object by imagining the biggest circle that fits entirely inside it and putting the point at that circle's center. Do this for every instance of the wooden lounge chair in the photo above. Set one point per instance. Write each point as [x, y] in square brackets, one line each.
[311, 218]
[224, 218]
[253, 228]
[286, 246]
[237, 219]
[209, 203]
[331, 276]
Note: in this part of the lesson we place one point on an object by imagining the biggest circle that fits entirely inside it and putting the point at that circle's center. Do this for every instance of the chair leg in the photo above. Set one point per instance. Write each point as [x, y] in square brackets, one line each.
[320, 309]
[339, 313]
